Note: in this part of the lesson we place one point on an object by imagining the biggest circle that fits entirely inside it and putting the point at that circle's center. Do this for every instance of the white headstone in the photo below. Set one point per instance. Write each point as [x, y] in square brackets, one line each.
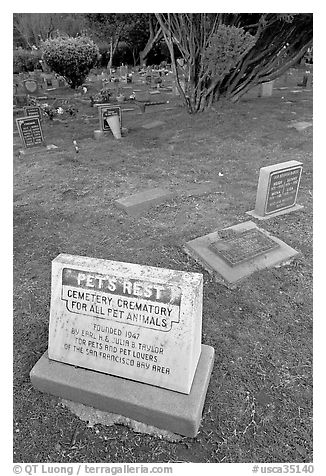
[132, 321]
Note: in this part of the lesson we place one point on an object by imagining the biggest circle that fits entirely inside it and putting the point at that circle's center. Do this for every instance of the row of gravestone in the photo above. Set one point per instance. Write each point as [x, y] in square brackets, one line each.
[34, 85]
[126, 338]
[277, 187]
[31, 133]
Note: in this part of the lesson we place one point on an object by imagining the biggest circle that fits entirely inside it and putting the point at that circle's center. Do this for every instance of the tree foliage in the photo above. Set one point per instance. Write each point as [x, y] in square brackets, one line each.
[136, 31]
[109, 28]
[72, 58]
[271, 44]
[31, 29]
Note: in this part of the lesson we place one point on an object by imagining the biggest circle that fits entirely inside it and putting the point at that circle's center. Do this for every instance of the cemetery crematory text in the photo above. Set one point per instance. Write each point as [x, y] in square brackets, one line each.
[124, 301]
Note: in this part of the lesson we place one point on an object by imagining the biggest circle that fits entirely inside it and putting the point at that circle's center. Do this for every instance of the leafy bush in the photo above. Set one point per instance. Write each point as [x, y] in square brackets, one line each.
[25, 60]
[72, 58]
[226, 49]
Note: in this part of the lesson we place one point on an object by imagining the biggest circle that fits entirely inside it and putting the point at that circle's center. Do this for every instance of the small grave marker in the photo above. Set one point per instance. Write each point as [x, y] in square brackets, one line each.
[301, 125]
[236, 252]
[31, 86]
[106, 111]
[277, 191]
[153, 124]
[108, 121]
[20, 100]
[243, 247]
[48, 79]
[266, 89]
[33, 111]
[30, 131]
[142, 201]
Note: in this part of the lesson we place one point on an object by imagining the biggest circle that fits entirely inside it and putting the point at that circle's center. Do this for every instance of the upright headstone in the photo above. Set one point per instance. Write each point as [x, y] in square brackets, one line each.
[128, 320]
[48, 80]
[33, 111]
[31, 86]
[277, 191]
[266, 89]
[110, 119]
[137, 328]
[105, 111]
[30, 131]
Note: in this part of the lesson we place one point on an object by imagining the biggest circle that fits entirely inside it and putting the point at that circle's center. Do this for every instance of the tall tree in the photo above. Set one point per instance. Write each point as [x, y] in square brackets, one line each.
[226, 54]
[108, 27]
[154, 35]
[136, 34]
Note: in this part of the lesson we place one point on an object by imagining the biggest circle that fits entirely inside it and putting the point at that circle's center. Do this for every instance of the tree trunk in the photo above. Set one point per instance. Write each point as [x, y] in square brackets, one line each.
[153, 38]
[109, 65]
[277, 42]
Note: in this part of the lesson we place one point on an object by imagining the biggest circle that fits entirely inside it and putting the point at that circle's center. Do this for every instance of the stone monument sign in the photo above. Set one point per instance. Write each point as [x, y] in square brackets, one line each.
[277, 191]
[123, 319]
[126, 339]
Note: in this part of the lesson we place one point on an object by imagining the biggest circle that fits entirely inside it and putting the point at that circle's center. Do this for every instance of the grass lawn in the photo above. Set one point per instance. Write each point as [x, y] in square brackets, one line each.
[259, 402]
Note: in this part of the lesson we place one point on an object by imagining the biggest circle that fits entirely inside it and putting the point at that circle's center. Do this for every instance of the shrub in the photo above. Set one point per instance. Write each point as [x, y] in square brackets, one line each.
[72, 58]
[103, 96]
[25, 60]
[226, 49]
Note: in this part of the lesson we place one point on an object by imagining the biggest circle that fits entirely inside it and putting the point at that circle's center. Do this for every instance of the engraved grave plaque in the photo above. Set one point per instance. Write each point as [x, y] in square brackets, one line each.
[33, 111]
[30, 131]
[283, 189]
[277, 190]
[243, 246]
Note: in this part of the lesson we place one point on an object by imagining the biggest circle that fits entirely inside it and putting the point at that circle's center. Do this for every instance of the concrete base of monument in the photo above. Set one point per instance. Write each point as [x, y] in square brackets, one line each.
[235, 253]
[159, 407]
[276, 214]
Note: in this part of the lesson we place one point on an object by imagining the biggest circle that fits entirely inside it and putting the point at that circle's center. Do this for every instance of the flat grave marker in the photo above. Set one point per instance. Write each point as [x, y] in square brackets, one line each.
[236, 252]
[301, 125]
[30, 131]
[153, 124]
[277, 190]
[142, 201]
[126, 338]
